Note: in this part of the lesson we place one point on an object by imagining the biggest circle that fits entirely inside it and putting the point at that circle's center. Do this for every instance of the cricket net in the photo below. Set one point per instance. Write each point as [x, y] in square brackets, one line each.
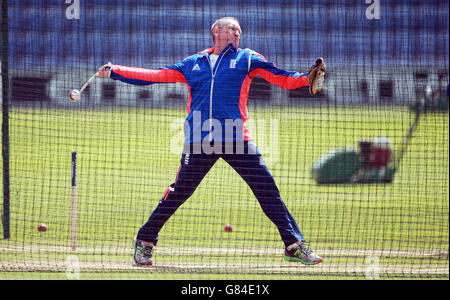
[387, 63]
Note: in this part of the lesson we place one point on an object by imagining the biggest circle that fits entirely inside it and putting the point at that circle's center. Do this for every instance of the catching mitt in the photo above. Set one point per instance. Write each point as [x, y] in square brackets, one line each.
[316, 77]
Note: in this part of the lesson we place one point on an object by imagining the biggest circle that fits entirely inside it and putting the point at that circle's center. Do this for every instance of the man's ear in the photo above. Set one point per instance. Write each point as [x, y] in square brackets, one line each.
[215, 31]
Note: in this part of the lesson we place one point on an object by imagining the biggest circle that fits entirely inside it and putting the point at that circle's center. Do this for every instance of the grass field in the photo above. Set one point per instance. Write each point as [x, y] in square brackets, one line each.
[127, 158]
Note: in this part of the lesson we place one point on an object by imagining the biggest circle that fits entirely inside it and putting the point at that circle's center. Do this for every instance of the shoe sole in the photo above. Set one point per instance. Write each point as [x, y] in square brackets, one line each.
[296, 259]
[142, 265]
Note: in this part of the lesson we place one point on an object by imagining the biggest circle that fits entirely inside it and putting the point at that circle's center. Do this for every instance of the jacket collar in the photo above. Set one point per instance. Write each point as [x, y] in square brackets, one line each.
[230, 48]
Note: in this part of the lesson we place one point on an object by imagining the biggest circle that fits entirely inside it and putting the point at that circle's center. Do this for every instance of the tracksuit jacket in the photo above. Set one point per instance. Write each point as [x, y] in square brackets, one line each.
[215, 95]
[218, 95]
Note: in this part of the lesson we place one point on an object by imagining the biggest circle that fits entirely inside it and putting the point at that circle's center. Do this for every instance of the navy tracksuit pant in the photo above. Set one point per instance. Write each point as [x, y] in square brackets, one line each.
[249, 165]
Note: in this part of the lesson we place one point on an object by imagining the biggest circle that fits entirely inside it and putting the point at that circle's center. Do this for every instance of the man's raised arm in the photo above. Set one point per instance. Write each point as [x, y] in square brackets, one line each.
[139, 76]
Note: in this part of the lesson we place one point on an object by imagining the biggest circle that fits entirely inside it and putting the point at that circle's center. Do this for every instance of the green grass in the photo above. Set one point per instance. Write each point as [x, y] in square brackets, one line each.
[125, 163]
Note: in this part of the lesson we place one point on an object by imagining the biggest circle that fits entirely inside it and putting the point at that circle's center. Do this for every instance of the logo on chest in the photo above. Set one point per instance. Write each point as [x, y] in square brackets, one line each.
[233, 64]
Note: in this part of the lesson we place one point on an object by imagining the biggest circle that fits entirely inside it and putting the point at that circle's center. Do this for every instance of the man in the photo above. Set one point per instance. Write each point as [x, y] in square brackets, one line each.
[218, 81]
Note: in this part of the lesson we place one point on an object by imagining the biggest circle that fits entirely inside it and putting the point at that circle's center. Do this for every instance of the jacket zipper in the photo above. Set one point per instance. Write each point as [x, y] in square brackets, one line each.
[213, 75]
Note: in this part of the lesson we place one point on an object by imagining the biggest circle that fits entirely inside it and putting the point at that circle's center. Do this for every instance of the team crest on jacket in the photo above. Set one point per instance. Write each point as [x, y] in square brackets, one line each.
[196, 68]
[233, 64]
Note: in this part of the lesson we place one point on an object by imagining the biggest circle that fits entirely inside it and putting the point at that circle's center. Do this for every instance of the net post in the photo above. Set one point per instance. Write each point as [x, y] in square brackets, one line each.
[73, 222]
[5, 119]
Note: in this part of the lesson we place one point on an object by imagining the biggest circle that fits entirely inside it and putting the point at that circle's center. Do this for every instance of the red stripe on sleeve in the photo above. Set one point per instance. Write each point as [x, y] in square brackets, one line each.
[162, 75]
[283, 81]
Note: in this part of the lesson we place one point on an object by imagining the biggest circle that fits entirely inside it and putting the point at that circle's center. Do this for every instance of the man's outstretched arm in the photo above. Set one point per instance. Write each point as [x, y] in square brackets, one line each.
[139, 76]
[287, 79]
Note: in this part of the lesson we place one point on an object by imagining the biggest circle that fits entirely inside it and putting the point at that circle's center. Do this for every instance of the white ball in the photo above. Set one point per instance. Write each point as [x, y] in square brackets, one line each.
[75, 95]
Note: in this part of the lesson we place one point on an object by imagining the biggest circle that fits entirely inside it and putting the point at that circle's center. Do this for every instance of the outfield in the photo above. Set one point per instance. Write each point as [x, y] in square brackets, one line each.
[127, 158]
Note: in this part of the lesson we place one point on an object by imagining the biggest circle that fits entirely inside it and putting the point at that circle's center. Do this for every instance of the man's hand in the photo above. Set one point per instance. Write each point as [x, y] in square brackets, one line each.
[105, 70]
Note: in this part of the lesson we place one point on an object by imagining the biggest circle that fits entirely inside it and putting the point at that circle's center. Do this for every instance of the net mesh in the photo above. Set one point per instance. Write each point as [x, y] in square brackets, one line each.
[385, 61]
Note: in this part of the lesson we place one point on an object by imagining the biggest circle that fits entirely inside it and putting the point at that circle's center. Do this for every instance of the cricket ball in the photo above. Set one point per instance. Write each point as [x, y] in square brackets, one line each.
[42, 227]
[75, 95]
[228, 228]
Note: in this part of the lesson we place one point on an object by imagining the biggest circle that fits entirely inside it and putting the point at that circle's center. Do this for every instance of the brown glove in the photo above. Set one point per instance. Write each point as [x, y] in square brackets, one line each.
[316, 77]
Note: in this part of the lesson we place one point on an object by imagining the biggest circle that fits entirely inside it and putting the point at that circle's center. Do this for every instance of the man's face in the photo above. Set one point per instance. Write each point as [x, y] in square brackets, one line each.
[229, 34]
